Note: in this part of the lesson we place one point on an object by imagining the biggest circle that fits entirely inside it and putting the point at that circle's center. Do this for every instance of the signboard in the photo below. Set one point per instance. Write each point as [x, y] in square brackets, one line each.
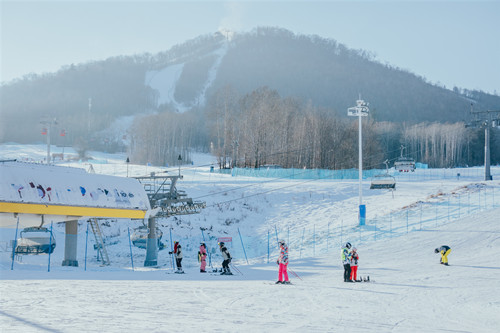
[225, 239]
[355, 111]
[361, 109]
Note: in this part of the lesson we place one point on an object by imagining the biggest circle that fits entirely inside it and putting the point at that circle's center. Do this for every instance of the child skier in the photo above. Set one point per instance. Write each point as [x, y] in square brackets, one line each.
[202, 256]
[178, 256]
[346, 261]
[226, 256]
[283, 263]
[354, 265]
[445, 251]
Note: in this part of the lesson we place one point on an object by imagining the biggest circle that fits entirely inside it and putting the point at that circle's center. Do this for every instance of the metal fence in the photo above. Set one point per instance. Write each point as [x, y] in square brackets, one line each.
[325, 237]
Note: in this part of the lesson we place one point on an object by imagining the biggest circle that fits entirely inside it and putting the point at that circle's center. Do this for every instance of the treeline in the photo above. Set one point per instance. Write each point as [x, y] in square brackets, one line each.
[161, 138]
[262, 128]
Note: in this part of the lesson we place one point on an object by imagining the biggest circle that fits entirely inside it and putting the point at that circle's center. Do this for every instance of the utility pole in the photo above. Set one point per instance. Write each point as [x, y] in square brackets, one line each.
[90, 108]
[360, 110]
[486, 120]
[48, 122]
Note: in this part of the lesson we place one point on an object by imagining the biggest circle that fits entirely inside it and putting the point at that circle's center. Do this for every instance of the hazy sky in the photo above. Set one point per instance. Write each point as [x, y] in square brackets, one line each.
[454, 43]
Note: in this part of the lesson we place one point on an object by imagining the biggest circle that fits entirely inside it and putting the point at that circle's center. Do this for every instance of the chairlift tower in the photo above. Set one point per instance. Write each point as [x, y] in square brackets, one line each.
[486, 120]
[360, 110]
[166, 200]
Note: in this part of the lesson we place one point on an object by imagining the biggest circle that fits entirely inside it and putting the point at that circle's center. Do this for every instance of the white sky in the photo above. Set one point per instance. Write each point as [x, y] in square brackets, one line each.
[454, 43]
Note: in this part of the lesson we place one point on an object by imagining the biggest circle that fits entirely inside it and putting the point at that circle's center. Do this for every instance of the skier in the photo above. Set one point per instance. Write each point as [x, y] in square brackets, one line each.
[346, 261]
[283, 263]
[354, 265]
[178, 256]
[226, 256]
[202, 256]
[445, 251]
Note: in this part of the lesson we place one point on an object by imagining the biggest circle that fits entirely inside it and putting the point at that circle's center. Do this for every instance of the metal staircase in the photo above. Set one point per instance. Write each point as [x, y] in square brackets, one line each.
[99, 241]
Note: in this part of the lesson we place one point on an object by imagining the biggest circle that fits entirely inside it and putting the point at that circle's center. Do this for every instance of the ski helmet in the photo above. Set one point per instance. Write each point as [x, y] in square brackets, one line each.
[354, 249]
[281, 242]
[348, 245]
[221, 244]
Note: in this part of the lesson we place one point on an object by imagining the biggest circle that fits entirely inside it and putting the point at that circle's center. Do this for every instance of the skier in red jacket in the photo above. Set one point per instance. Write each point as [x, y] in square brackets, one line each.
[354, 264]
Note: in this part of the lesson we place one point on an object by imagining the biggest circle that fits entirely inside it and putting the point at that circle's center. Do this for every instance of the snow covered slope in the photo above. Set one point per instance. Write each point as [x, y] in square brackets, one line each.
[164, 81]
[409, 292]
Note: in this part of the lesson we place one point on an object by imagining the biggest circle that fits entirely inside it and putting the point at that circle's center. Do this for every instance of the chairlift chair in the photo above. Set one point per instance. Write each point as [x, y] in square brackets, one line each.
[404, 164]
[35, 240]
[139, 237]
[383, 181]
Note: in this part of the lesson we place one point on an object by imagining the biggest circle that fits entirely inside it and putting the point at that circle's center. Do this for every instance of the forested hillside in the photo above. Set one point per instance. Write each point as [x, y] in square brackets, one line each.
[267, 96]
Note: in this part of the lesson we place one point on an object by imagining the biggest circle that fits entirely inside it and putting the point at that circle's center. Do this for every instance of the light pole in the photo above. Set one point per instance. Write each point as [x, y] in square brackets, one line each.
[180, 161]
[48, 122]
[127, 161]
[360, 110]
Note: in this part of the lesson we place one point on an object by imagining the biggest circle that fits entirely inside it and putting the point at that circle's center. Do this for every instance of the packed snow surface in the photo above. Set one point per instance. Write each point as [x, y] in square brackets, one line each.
[409, 290]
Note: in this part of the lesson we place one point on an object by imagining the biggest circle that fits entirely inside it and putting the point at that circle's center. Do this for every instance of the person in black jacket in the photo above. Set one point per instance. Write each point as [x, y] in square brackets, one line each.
[226, 256]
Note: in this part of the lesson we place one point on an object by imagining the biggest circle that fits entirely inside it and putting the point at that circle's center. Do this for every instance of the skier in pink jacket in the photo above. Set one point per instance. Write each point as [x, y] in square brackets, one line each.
[202, 257]
[283, 264]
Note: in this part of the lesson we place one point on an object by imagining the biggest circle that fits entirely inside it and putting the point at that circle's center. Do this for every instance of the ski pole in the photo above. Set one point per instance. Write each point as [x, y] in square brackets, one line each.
[236, 269]
[295, 274]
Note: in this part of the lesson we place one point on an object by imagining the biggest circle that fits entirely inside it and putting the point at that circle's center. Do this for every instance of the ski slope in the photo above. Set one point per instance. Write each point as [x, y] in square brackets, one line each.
[409, 292]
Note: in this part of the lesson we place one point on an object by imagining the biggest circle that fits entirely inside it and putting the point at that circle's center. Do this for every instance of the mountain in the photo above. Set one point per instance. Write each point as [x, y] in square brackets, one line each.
[315, 70]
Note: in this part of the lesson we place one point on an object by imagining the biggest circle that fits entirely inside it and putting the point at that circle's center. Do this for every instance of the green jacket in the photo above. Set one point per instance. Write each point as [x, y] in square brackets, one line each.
[346, 256]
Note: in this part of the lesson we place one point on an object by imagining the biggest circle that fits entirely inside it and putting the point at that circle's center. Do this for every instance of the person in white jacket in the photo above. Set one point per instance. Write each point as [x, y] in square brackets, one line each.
[178, 256]
[226, 259]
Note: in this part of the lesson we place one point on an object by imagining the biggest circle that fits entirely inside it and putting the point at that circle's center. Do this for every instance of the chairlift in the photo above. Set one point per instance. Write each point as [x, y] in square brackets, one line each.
[404, 164]
[139, 237]
[383, 181]
[35, 240]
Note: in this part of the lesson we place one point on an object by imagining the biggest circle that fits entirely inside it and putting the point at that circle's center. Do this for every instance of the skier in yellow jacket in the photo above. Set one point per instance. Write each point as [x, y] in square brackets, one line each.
[445, 251]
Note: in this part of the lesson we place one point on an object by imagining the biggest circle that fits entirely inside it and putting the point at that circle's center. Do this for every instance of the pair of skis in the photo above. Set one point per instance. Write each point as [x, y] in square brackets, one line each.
[236, 269]
[365, 279]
